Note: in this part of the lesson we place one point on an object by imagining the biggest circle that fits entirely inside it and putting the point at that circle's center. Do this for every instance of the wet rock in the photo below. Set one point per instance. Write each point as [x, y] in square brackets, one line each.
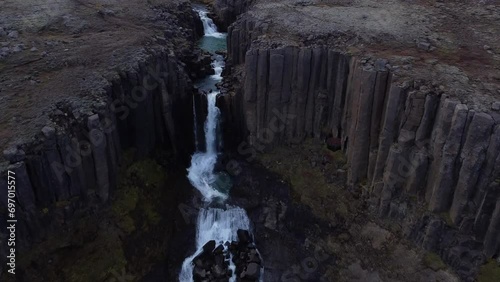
[252, 271]
[3, 32]
[219, 250]
[213, 263]
[244, 236]
[200, 273]
[209, 246]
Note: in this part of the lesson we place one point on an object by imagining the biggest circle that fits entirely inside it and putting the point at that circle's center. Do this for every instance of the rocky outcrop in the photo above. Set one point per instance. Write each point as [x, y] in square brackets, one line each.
[213, 263]
[228, 10]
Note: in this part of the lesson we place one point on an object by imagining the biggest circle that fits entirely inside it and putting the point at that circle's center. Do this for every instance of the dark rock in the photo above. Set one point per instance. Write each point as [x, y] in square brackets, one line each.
[252, 271]
[200, 272]
[380, 65]
[334, 143]
[495, 106]
[14, 155]
[244, 236]
[219, 250]
[424, 46]
[209, 246]
[13, 34]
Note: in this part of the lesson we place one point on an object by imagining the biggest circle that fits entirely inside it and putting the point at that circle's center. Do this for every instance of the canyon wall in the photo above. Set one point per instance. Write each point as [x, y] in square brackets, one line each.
[77, 159]
[228, 10]
[422, 158]
[70, 167]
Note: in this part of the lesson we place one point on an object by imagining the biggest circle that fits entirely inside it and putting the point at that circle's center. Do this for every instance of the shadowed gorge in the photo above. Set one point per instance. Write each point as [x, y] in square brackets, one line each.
[235, 140]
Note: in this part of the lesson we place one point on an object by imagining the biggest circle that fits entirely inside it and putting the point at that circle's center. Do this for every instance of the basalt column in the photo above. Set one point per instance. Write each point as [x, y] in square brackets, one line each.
[407, 145]
[76, 159]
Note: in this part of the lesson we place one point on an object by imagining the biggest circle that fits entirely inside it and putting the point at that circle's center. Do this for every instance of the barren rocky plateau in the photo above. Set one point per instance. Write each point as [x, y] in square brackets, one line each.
[68, 50]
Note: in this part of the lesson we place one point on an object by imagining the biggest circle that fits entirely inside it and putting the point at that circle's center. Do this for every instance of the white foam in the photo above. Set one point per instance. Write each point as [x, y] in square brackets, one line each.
[209, 26]
[220, 225]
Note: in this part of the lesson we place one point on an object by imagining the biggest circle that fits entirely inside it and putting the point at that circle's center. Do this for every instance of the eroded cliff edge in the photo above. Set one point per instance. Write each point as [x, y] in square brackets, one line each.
[420, 128]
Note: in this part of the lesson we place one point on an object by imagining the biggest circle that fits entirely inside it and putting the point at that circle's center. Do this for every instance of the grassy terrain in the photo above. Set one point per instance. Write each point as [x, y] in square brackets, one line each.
[311, 170]
[99, 245]
[433, 261]
[490, 272]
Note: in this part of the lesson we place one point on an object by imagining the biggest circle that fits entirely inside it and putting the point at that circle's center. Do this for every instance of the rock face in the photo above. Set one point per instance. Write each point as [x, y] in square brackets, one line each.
[409, 145]
[77, 158]
[228, 10]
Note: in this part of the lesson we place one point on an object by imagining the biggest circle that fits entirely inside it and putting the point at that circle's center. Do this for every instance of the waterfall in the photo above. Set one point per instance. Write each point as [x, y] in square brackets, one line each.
[201, 172]
[209, 26]
[216, 224]
[196, 147]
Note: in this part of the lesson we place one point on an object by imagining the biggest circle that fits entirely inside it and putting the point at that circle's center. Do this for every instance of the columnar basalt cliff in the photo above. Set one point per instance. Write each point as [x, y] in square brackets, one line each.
[143, 108]
[424, 159]
[75, 158]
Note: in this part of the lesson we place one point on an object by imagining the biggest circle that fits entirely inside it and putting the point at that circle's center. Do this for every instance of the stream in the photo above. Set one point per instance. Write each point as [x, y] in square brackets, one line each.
[218, 224]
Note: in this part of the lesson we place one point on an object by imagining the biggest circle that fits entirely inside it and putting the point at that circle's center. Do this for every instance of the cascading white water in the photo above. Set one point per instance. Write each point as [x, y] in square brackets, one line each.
[209, 26]
[201, 172]
[216, 224]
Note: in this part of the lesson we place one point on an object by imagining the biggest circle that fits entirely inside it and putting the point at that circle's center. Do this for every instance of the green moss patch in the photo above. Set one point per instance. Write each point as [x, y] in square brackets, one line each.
[490, 272]
[136, 199]
[148, 172]
[433, 261]
[447, 218]
[97, 261]
[303, 167]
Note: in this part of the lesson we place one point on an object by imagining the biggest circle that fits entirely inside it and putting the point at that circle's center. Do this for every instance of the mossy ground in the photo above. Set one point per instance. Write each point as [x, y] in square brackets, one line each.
[96, 246]
[490, 272]
[98, 261]
[317, 178]
[312, 172]
[433, 261]
[136, 199]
